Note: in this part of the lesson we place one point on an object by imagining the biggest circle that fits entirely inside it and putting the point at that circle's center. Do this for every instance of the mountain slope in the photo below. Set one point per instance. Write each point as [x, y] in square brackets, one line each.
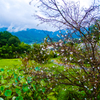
[31, 36]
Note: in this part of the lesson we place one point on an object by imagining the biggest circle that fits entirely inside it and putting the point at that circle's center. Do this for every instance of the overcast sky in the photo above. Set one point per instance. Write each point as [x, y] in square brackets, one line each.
[19, 14]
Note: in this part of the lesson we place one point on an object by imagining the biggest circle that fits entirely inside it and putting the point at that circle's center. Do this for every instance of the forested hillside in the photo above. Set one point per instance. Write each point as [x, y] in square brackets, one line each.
[11, 46]
[31, 36]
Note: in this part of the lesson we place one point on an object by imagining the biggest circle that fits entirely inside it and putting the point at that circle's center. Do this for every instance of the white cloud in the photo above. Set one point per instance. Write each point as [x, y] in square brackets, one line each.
[18, 14]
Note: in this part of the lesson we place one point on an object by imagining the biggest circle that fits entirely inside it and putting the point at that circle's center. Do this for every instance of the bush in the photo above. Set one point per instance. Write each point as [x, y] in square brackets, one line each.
[39, 53]
[7, 51]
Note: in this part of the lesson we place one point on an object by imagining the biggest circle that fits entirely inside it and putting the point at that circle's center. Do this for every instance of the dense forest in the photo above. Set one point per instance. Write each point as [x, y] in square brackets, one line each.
[30, 36]
[11, 46]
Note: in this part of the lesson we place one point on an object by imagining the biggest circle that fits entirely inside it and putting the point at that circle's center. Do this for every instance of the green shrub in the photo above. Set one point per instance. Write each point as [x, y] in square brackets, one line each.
[39, 53]
[70, 94]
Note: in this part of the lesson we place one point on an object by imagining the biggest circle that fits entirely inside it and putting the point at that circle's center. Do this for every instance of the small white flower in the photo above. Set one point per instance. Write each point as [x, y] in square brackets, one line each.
[79, 39]
[70, 58]
[59, 40]
[58, 54]
[78, 48]
[62, 49]
[98, 67]
[79, 60]
[50, 88]
[41, 71]
[94, 87]
[85, 86]
[71, 52]
[43, 49]
[60, 44]
[90, 57]
[58, 35]
[65, 59]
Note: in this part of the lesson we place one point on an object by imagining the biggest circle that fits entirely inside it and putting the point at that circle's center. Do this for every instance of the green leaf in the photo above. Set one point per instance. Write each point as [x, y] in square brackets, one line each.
[1, 69]
[43, 90]
[8, 70]
[19, 78]
[0, 77]
[37, 68]
[19, 98]
[1, 88]
[15, 75]
[8, 93]
[25, 88]
[23, 80]
[29, 79]
[3, 81]
[16, 81]
[43, 83]
[34, 87]
[18, 91]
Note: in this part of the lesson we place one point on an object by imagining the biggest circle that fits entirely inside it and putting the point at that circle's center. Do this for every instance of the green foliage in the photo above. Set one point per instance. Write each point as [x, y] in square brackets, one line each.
[12, 47]
[52, 54]
[8, 38]
[39, 53]
[9, 64]
[7, 51]
[8, 44]
[13, 40]
[8, 93]
[19, 98]
[23, 48]
[4, 37]
[24, 83]
[70, 94]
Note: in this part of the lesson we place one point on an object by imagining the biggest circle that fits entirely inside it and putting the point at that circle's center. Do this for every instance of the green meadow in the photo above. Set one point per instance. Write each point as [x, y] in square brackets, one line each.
[10, 63]
[18, 82]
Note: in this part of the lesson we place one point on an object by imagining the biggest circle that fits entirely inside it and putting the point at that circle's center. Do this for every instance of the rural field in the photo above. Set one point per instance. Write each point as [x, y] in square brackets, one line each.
[10, 63]
[22, 83]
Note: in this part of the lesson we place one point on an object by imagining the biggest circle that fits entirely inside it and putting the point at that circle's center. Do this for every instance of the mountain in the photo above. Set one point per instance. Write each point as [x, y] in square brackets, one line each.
[31, 35]
[3, 29]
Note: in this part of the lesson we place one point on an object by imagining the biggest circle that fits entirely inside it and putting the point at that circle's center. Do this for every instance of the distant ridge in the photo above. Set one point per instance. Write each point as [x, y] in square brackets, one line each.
[3, 29]
[31, 36]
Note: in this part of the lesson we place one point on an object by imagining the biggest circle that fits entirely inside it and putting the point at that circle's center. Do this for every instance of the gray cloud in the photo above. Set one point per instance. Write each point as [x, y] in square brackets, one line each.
[17, 15]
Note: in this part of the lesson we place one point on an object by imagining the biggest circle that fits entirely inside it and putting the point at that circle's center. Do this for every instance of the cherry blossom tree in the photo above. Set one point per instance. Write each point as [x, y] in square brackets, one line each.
[85, 56]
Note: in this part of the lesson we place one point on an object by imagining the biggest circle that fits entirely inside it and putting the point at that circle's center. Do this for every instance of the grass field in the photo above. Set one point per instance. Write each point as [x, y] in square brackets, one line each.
[22, 83]
[16, 63]
[10, 63]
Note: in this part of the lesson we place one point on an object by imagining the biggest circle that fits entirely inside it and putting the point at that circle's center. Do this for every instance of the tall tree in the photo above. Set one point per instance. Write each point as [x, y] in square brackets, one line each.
[13, 40]
[86, 25]
[4, 37]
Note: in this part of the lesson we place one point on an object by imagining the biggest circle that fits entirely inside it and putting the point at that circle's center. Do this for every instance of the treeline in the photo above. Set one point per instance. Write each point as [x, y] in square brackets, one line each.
[11, 46]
